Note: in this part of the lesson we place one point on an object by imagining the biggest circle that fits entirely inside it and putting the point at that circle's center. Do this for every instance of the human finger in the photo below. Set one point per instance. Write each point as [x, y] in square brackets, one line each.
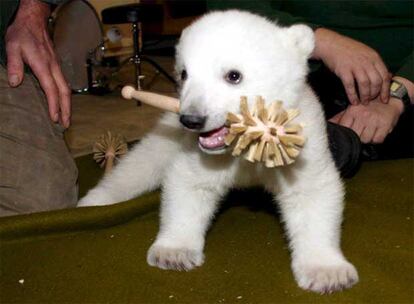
[336, 118]
[363, 85]
[386, 80]
[61, 83]
[375, 81]
[346, 120]
[15, 65]
[64, 94]
[357, 126]
[380, 135]
[368, 134]
[348, 82]
[41, 69]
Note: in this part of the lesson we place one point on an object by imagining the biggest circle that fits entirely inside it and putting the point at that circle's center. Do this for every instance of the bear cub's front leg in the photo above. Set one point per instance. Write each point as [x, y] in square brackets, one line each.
[186, 212]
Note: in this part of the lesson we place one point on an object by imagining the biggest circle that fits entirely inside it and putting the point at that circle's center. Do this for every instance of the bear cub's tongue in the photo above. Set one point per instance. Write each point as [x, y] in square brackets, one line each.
[213, 139]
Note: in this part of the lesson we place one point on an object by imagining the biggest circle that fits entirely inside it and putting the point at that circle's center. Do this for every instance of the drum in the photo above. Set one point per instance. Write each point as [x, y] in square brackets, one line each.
[78, 38]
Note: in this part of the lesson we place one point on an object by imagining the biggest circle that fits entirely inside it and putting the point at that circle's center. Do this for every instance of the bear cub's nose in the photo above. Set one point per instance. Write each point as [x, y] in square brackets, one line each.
[193, 122]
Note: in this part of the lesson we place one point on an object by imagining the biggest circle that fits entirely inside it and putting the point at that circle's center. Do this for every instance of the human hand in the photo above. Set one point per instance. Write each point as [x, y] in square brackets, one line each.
[27, 41]
[372, 122]
[353, 62]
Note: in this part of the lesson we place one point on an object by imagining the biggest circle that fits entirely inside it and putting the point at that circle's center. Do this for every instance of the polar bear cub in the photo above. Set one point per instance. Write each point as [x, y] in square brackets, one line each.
[220, 57]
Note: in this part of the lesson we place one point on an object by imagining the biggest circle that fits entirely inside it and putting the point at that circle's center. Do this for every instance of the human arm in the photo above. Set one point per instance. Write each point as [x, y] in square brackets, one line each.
[28, 42]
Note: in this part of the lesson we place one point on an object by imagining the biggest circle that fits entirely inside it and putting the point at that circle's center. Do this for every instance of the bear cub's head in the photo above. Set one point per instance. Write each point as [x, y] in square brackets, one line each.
[225, 55]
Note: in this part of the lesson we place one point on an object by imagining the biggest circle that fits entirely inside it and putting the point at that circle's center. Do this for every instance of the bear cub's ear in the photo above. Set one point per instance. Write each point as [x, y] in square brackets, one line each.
[301, 36]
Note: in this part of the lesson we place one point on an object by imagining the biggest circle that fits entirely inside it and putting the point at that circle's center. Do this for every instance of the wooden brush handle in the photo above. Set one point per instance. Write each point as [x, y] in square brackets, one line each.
[109, 163]
[156, 100]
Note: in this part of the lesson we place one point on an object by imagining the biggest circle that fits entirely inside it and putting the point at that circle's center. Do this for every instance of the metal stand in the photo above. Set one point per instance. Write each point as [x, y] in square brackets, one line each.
[137, 58]
[94, 87]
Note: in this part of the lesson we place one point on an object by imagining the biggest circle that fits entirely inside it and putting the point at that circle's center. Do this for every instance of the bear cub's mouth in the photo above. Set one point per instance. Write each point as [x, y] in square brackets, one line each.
[212, 142]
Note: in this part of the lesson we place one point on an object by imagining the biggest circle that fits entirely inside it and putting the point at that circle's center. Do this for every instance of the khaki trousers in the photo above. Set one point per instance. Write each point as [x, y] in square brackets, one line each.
[37, 173]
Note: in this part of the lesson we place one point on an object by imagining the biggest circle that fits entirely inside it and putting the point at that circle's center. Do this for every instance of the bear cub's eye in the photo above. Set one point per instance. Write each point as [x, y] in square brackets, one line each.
[183, 75]
[233, 77]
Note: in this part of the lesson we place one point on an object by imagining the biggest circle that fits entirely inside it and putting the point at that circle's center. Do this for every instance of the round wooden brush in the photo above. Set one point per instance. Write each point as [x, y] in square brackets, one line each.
[107, 148]
[264, 134]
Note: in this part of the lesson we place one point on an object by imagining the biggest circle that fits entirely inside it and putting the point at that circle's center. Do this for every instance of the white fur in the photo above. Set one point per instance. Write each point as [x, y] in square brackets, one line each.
[273, 61]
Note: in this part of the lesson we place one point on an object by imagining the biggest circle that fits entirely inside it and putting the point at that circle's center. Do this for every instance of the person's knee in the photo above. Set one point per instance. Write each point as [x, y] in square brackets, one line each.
[42, 182]
[63, 190]
[57, 189]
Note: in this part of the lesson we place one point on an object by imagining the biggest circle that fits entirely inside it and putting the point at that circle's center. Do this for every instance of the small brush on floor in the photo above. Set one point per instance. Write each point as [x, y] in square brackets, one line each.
[107, 148]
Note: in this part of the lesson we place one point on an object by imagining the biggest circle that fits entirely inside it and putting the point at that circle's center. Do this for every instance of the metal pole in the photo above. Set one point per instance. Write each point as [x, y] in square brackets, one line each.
[137, 56]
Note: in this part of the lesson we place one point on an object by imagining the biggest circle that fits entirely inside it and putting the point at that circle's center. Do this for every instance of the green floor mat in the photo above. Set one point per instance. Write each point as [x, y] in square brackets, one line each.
[98, 255]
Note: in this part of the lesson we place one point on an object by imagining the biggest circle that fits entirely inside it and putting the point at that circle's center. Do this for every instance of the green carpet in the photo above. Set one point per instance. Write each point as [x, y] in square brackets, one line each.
[97, 255]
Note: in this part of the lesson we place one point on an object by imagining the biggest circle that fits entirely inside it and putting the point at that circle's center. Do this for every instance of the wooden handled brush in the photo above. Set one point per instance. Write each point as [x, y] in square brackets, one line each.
[108, 148]
[266, 134]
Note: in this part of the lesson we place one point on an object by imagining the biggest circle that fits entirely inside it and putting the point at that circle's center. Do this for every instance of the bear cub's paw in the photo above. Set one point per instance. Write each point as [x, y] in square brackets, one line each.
[174, 258]
[325, 279]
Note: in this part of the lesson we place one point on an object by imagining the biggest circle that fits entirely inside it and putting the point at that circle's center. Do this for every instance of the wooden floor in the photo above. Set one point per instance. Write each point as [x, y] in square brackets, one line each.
[94, 115]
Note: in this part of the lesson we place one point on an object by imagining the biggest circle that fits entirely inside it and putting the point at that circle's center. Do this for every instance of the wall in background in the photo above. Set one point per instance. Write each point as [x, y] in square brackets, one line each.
[99, 5]
[173, 22]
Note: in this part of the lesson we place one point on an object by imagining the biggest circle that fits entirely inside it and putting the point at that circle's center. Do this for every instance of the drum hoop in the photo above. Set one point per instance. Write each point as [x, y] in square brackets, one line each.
[55, 12]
